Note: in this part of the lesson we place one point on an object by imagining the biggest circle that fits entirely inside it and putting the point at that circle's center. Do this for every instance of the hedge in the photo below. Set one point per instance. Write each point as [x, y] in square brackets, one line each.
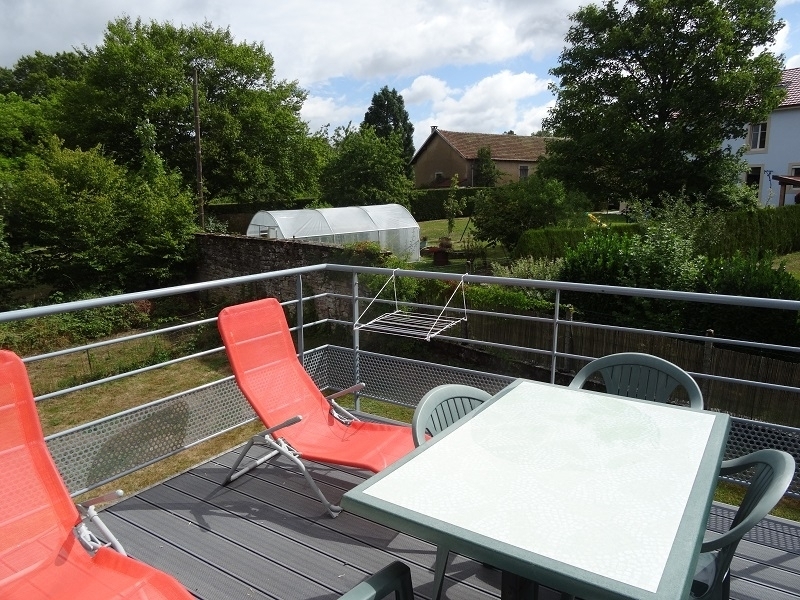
[551, 242]
[769, 230]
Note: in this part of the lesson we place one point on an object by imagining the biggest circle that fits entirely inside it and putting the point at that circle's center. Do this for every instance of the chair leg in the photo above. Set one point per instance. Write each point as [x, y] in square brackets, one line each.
[395, 577]
[442, 554]
[233, 474]
[291, 454]
[283, 449]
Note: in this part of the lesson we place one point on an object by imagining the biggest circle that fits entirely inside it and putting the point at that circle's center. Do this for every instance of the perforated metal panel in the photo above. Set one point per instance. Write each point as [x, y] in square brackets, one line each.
[97, 452]
[748, 436]
[390, 378]
[103, 450]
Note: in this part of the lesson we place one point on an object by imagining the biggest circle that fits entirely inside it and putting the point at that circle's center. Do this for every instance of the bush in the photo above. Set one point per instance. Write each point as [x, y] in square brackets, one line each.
[502, 214]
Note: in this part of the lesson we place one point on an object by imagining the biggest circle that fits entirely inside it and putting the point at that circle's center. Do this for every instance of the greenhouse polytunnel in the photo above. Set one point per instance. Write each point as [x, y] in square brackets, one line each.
[390, 225]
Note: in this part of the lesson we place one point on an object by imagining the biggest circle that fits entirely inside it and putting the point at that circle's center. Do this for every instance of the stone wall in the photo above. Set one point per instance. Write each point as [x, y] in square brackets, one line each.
[224, 256]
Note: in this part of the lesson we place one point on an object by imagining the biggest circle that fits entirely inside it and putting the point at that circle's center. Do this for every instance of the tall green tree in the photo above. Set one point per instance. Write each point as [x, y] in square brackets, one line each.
[486, 172]
[254, 143]
[365, 169]
[649, 89]
[39, 75]
[388, 116]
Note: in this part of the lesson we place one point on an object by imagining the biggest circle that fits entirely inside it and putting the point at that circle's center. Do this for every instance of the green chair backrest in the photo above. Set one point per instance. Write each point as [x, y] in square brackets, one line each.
[443, 406]
[641, 376]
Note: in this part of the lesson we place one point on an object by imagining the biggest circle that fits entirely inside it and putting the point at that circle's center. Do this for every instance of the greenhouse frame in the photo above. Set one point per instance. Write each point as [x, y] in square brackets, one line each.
[390, 225]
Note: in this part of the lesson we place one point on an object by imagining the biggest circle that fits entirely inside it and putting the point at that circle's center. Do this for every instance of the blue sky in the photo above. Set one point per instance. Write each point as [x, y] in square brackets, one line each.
[480, 65]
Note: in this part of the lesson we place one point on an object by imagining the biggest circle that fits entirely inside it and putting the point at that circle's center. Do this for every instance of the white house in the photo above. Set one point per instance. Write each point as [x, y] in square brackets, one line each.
[773, 148]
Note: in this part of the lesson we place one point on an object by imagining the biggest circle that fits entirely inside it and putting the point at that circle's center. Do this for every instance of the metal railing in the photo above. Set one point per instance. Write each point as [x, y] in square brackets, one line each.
[99, 451]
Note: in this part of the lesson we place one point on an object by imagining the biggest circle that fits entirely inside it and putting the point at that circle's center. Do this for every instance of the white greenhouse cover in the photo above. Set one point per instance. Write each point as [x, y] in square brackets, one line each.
[391, 225]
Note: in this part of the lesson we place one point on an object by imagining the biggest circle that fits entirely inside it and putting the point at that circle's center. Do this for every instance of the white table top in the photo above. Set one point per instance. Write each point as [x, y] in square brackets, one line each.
[593, 481]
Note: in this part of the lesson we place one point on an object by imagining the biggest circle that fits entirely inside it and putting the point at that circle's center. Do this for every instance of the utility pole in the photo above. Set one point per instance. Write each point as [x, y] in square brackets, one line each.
[197, 155]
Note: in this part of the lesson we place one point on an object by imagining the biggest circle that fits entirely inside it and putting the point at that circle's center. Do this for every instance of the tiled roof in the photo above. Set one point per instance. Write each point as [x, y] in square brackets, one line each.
[791, 79]
[504, 146]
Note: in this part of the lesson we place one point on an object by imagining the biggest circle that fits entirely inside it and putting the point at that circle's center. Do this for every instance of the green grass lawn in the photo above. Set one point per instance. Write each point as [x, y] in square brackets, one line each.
[792, 263]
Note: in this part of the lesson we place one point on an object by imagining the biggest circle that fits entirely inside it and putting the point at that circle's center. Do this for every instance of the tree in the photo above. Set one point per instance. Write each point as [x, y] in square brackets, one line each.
[504, 213]
[365, 169]
[84, 222]
[387, 115]
[650, 89]
[486, 172]
[22, 127]
[454, 204]
[254, 143]
[40, 75]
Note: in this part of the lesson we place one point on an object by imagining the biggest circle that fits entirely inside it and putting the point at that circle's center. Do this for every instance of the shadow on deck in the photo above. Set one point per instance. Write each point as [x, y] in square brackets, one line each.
[265, 536]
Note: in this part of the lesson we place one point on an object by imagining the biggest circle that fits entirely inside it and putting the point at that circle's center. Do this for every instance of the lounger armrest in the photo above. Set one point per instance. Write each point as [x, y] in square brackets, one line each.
[286, 423]
[351, 390]
[342, 414]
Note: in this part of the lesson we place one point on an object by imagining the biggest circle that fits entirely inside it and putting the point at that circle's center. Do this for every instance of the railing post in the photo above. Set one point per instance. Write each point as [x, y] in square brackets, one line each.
[300, 331]
[555, 338]
[708, 352]
[356, 339]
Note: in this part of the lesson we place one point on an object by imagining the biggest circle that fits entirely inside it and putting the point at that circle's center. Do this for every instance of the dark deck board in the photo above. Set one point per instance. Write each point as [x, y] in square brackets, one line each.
[265, 536]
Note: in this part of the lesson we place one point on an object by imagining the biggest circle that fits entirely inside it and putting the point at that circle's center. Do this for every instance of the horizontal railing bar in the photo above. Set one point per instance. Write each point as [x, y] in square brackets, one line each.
[580, 287]
[118, 340]
[683, 336]
[54, 309]
[119, 376]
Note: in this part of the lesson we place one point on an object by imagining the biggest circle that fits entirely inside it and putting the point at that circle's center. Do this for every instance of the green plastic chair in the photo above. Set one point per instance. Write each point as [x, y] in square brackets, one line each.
[438, 409]
[774, 470]
[395, 577]
[443, 406]
[642, 376]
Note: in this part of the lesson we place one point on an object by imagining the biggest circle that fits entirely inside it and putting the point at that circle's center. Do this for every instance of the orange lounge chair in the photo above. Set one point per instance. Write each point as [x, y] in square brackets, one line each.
[309, 425]
[46, 550]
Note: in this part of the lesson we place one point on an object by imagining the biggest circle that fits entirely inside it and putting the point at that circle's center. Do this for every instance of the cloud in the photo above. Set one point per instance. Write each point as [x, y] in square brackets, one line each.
[492, 105]
[320, 111]
[793, 62]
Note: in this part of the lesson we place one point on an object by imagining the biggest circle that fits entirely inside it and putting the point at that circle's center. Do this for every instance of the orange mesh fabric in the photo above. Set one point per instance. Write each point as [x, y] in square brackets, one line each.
[262, 355]
[39, 555]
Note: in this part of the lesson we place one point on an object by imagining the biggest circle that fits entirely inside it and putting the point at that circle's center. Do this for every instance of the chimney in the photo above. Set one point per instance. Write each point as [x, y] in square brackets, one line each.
[434, 128]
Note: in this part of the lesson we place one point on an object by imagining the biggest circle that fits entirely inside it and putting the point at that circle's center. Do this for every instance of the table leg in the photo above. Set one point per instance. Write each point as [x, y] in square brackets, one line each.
[442, 554]
[514, 587]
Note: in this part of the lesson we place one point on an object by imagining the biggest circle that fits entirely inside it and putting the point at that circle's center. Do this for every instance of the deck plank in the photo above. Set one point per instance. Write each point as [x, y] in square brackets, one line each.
[266, 536]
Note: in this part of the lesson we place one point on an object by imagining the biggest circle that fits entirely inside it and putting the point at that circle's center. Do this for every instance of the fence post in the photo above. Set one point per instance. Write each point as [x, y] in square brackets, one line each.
[708, 350]
[554, 351]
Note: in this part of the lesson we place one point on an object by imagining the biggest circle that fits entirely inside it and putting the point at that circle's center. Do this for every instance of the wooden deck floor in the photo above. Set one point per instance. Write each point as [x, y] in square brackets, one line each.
[265, 536]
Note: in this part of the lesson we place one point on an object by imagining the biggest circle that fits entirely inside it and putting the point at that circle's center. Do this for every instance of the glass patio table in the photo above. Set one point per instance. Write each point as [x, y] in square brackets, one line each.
[592, 494]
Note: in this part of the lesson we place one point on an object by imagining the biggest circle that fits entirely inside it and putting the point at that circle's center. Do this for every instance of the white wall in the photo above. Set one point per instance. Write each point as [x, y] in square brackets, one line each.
[781, 154]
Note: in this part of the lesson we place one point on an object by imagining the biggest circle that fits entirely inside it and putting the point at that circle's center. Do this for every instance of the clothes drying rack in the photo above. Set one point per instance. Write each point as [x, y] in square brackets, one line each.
[412, 324]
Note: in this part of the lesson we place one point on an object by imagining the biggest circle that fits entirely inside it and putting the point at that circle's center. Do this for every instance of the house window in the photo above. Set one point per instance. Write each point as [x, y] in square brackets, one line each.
[758, 136]
[794, 171]
[523, 172]
[753, 178]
